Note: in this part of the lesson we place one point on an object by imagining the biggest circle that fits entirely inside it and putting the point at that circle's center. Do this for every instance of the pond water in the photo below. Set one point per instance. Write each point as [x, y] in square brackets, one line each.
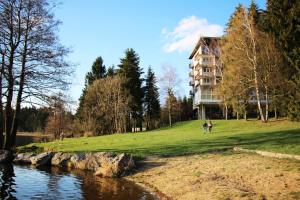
[23, 182]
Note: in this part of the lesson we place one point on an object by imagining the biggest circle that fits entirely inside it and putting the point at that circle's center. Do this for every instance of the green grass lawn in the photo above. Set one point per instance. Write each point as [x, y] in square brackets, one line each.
[187, 138]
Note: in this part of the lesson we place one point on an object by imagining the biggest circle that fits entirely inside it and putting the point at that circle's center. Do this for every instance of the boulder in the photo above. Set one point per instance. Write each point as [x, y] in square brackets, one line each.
[24, 158]
[90, 162]
[61, 159]
[5, 156]
[119, 166]
[77, 158]
[42, 159]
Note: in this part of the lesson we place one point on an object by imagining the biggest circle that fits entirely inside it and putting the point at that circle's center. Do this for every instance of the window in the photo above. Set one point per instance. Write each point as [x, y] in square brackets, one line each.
[206, 80]
[205, 50]
[207, 69]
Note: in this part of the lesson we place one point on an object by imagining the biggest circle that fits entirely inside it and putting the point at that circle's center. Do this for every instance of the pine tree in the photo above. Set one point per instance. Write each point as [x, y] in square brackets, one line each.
[111, 71]
[187, 108]
[98, 71]
[129, 68]
[151, 100]
[283, 21]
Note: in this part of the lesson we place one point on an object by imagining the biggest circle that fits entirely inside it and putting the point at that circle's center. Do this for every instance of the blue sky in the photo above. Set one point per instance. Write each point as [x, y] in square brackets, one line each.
[162, 32]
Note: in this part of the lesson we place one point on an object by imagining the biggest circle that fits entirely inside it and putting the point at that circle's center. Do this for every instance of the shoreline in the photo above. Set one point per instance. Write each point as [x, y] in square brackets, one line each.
[219, 176]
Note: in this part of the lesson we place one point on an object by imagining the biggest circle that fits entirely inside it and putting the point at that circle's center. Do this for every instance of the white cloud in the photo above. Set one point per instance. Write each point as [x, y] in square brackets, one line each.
[186, 34]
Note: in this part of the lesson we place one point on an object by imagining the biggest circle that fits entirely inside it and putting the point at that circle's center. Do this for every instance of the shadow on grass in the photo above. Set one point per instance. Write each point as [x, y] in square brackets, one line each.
[287, 141]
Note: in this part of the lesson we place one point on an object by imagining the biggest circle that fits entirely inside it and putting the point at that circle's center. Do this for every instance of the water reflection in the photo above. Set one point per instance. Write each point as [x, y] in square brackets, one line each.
[19, 182]
[7, 182]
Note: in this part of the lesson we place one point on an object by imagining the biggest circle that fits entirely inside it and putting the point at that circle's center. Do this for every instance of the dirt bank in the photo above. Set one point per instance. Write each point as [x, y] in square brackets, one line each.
[221, 176]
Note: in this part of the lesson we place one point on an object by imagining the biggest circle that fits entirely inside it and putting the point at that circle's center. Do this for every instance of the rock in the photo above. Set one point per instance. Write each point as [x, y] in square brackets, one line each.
[105, 164]
[24, 158]
[90, 162]
[123, 163]
[61, 159]
[76, 158]
[42, 159]
[5, 156]
[119, 166]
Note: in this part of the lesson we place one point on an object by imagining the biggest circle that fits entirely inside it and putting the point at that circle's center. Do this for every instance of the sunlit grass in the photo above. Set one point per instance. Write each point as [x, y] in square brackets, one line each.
[188, 138]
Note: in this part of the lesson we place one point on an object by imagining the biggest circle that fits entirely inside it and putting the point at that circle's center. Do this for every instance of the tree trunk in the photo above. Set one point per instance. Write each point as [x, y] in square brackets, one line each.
[275, 110]
[13, 45]
[267, 106]
[237, 115]
[226, 112]
[259, 101]
[1, 106]
[245, 115]
[8, 108]
[250, 28]
[169, 110]
[15, 122]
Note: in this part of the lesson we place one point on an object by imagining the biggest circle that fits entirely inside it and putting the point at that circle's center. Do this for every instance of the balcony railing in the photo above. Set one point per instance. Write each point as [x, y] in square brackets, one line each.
[211, 97]
[207, 74]
[191, 73]
[206, 83]
[191, 65]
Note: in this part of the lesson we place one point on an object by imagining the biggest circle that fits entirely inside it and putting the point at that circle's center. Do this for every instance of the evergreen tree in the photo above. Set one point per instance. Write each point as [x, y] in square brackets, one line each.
[98, 71]
[129, 68]
[283, 21]
[151, 101]
[111, 71]
[186, 108]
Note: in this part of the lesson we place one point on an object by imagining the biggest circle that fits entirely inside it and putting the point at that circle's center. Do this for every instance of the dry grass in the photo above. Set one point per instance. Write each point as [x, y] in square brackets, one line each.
[221, 176]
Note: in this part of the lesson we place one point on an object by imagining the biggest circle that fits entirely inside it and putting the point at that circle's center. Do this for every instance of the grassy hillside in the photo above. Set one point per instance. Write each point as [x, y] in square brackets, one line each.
[188, 137]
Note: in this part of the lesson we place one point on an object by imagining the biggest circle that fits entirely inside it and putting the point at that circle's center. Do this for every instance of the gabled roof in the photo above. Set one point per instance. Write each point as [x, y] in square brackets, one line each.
[200, 41]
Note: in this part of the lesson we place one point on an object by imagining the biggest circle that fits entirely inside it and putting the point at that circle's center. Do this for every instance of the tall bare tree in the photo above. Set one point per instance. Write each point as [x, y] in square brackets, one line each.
[33, 63]
[169, 81]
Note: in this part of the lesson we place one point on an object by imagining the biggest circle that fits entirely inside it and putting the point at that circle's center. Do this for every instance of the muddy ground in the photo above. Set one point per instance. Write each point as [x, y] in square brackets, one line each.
[226, 176]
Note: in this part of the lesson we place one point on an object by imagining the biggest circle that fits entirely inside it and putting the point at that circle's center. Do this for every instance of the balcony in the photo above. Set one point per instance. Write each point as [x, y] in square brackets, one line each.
[208, 60]
[197, 66]
[197, 76]
[191, 65]
[192, 83]
[206, 84]
[191, 74]
[209, 74]
[210, 97]
[207, 99]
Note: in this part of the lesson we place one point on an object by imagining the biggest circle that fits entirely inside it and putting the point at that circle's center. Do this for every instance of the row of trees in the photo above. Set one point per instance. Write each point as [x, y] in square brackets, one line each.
[176, 110]
[259, 60]
[121, 100]
[116, 100]
[32, 65]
